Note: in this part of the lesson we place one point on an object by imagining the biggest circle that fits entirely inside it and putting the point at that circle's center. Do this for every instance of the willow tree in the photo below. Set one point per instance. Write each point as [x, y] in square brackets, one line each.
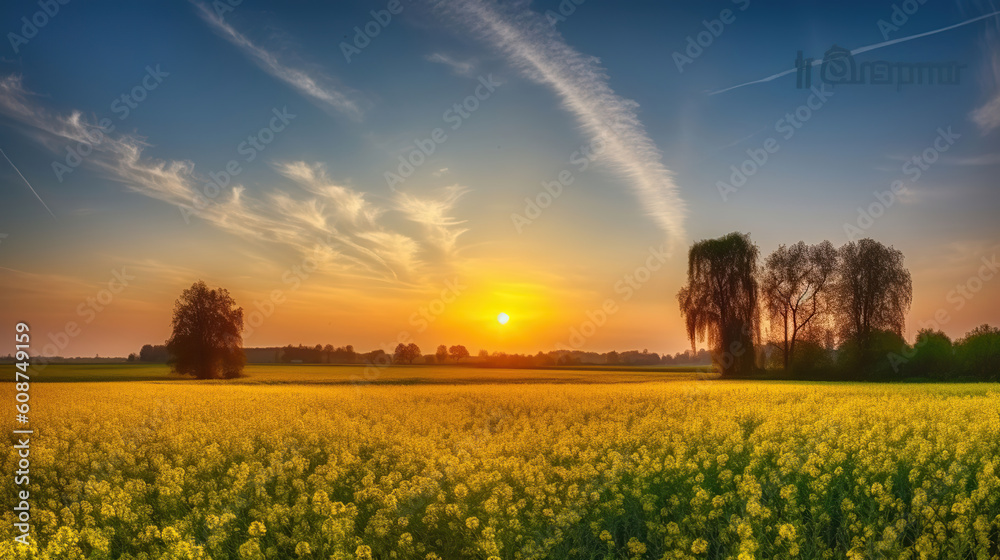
[719, 302]
[873, 291]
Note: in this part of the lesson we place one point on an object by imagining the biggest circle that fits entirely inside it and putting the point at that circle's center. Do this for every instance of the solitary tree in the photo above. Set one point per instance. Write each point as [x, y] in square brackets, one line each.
[873, 291]
[207, 340]
[441, 354]
[794, 289]
[719, 302]
[458, 352]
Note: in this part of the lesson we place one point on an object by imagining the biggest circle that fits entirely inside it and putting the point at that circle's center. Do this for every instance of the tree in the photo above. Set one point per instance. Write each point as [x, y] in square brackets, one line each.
[406, 353]
[873, 291]
[719, 302]
[872, 359]
[794, 287]
[978, 353]
[441, 354]
[933, 356]
[458, 352]
[207, 340]
[150, 353]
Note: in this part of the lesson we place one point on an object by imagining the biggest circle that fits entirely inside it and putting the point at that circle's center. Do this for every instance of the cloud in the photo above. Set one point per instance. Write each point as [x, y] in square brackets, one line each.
[540, 52]
[315, 87]
[434, 215]
[336, 226]
[982, 159]
[462, 68]
[987, 116]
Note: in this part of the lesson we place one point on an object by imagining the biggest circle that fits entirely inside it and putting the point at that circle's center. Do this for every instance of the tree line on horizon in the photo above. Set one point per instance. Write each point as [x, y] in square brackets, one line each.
[206, 342]
[815, 311]
[346, 355]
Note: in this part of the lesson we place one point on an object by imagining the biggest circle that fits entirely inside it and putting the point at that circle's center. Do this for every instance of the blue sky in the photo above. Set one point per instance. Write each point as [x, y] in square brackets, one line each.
[318, 189]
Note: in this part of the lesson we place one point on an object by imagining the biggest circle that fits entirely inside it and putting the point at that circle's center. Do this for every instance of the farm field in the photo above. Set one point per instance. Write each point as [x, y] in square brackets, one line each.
[684, 468]
[309, 374]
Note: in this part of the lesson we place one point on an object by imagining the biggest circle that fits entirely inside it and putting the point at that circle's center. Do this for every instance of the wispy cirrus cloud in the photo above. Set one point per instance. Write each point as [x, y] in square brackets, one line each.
[540, 52]
[335, 225]
[434, 214]
[987, 116]
[317, 88]
[461, 67]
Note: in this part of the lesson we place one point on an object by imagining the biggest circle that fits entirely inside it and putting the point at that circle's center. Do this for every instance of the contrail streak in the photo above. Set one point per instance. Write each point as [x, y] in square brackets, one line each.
[860, 50]
[26, 182]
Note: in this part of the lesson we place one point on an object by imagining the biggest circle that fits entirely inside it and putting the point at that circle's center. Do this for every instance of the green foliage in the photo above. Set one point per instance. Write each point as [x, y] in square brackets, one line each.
[871, 357]
[933, 357]
[978, 354]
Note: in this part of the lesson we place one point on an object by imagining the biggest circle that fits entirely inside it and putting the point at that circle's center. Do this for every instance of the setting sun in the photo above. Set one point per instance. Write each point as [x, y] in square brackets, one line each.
[503, 318]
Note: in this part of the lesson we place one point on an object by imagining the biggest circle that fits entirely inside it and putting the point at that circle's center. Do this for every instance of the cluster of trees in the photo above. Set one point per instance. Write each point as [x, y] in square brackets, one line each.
[319, 354]
[153, 353]
[407, 353]
[819, 311]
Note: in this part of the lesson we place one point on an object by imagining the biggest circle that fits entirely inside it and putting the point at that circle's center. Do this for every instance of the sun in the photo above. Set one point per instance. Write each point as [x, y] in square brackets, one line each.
[503, 318]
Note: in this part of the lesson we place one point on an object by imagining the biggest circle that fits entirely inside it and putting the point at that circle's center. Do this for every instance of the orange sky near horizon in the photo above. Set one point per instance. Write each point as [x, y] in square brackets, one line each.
[621, 305]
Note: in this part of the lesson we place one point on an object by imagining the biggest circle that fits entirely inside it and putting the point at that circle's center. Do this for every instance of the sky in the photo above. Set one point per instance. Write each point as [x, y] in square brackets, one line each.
[372, 172]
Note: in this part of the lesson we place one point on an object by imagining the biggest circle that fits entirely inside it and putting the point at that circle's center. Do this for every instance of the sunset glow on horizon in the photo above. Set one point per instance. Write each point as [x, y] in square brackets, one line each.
[416, 188]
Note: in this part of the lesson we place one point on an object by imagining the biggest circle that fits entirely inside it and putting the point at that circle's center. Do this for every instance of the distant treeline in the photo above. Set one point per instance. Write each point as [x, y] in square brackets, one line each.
[330, 354]
[933, 357]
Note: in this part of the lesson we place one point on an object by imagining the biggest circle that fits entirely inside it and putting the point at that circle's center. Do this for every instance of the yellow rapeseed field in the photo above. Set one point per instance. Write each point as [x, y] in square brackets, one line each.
[687, 469]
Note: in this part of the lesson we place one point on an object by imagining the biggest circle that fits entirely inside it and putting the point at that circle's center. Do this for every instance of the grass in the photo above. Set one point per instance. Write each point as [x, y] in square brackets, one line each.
[324, 374]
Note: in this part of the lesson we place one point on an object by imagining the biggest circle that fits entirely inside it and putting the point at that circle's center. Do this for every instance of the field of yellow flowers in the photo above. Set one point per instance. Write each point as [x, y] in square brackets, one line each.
[684, 469]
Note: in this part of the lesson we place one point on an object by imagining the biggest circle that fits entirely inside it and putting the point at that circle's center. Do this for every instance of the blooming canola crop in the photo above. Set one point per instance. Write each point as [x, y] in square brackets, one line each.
[686, 470]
